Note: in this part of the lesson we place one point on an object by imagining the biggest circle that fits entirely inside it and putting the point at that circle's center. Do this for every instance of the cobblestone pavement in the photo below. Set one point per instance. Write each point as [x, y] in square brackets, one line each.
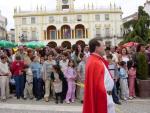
[21, 106]
[135, 106]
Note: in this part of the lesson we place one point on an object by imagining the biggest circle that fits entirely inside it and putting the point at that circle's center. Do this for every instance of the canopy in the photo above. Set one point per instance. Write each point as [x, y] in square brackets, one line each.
[7, 44]
[35, 44]
[129, 44]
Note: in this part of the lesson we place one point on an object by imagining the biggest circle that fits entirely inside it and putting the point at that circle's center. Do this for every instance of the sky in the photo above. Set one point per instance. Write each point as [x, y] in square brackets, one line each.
[7, 6]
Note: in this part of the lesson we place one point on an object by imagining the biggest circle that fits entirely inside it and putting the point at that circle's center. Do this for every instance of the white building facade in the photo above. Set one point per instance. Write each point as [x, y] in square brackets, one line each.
[68, 24]
[11, 35]
[3, 24]
[147, 6]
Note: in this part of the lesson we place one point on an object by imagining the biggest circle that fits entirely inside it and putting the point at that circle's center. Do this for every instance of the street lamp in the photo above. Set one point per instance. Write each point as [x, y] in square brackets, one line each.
[114, 40]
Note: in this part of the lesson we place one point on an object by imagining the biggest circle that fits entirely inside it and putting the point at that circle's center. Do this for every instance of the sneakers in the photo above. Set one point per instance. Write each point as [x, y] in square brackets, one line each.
[72, 101]
[46, 99]
[125, 99]
[68, 102]
[130, 98]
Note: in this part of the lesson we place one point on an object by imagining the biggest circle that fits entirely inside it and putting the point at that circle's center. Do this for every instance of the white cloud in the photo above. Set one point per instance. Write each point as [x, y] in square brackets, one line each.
[7, 6]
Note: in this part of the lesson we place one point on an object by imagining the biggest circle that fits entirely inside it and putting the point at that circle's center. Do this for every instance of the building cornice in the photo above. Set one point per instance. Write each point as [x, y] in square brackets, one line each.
[25, 14]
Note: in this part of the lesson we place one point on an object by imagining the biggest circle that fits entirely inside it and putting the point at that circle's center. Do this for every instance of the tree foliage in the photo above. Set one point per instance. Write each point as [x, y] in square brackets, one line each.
[142, 68]
[140, 32]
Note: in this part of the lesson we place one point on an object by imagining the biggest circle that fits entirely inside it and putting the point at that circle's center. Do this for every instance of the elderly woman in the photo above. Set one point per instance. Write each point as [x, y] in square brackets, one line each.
[4, 78]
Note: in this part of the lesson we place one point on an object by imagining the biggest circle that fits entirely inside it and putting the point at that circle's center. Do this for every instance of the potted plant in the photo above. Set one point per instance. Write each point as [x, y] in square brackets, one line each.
[142, 74]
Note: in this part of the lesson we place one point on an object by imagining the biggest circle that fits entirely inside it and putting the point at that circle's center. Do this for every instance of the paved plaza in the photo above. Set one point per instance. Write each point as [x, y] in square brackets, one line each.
[21, 106]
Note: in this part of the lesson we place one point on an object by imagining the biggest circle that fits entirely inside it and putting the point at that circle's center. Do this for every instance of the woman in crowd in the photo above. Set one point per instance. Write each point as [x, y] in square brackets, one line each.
[81, 74]
[36, 68]
[124, 55]
[4, 78]
[47, 71]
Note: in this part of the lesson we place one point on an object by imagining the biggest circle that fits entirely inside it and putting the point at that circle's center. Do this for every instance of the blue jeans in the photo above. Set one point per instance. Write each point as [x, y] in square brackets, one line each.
[114, 94]
[19, 83]
[38, 87]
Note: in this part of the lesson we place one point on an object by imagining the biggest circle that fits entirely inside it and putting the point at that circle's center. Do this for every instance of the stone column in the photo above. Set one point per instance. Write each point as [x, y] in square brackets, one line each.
[86, 33]
[59, 31]
[71, 34]
[58, 37]
[74, 33]
[46, 35]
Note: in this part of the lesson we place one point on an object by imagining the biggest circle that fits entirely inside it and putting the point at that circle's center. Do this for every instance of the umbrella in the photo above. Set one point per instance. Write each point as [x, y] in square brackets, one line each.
[129, 44]
[7, 44]
[35, 44]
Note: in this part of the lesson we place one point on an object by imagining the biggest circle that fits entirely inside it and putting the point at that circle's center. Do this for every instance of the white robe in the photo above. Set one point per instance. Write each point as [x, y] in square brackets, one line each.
[109, 84]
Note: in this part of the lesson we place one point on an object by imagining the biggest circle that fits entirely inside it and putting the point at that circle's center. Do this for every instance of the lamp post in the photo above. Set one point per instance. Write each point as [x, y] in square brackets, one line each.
[114, 40]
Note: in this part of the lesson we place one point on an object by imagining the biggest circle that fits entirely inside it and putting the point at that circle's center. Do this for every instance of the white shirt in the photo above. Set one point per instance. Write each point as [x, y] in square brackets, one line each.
[4, 68]
[125, 59]
[63, 65]
[87, 54]
[109, 83]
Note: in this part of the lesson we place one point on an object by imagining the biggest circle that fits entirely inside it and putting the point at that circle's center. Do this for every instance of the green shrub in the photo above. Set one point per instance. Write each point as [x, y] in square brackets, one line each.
[142, 66]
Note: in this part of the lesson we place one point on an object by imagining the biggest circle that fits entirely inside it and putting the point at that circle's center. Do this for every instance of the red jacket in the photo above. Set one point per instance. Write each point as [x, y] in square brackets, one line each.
[95, 97]
[17, 67]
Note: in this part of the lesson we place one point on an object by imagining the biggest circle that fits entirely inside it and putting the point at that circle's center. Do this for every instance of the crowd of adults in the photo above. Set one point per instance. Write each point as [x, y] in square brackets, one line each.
[59, 73]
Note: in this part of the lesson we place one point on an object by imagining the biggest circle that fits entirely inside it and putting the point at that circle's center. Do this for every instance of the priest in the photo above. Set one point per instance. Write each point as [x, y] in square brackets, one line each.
[98, 81]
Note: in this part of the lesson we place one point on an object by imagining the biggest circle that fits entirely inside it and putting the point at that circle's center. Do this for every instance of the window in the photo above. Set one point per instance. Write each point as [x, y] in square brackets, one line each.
[120, 16]
[24, 21]
[33, 21]
[79, 17]
[52, 34]
[51, 19]
[65, 19]
[106, 16]
[23, 37]
[107, 32]
[97, 17]
[98, 32]
[24, 33]
[79, 33]
[34, 35]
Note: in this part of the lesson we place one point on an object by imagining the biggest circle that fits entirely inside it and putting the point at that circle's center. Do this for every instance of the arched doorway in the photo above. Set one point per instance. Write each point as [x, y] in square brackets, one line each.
[52, 44]
[79, 31]
[65, 32]
[80, 42]
[66, 44]
[51, 33]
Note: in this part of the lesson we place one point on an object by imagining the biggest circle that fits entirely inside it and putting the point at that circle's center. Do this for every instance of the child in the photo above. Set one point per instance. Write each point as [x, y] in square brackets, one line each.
[29, 83]
[57, 82]
[81, 74]
[132, 77]
[114, 72]
[70, 74]
[123, 80]
[64, 62]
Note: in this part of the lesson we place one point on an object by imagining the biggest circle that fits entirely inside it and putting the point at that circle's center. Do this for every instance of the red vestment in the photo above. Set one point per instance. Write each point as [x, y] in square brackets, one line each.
[95, 97]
